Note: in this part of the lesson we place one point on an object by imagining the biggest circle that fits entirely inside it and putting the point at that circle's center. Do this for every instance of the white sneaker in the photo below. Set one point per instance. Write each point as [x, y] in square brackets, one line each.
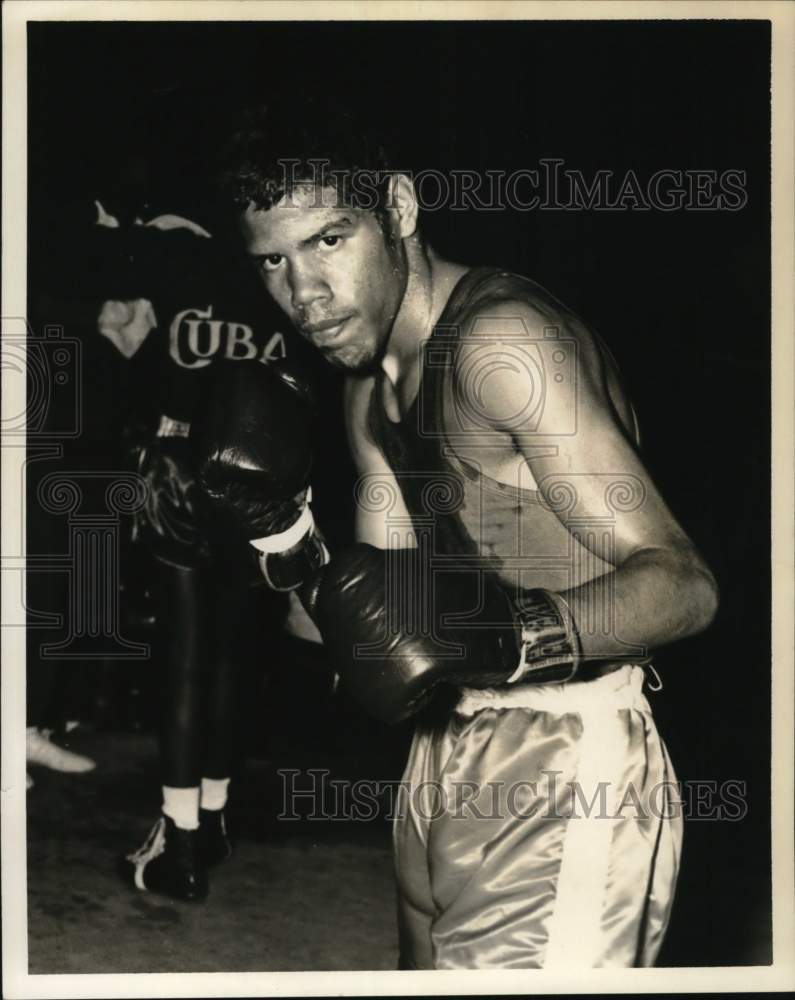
[41, 750]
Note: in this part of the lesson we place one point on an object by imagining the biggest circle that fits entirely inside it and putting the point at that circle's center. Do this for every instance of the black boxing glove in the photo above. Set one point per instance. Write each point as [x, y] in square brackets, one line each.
[173, 520]
[254, 448]
[396, 631]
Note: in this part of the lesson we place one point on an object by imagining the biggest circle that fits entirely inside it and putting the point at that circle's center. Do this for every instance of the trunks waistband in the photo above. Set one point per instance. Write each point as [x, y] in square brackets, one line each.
[621, 688]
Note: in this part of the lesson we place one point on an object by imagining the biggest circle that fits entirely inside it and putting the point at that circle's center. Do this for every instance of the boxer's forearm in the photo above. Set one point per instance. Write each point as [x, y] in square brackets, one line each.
[656, 597]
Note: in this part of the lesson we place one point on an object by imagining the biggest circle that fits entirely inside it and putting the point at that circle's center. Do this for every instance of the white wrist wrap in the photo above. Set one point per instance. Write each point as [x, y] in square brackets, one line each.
[274, 544]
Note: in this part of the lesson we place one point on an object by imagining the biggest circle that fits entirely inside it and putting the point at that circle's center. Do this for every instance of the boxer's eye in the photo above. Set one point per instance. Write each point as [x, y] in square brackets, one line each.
[329, 242]
[271, 261]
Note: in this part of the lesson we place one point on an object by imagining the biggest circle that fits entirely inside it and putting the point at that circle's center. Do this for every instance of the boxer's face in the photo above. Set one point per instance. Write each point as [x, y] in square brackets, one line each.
[332, 270]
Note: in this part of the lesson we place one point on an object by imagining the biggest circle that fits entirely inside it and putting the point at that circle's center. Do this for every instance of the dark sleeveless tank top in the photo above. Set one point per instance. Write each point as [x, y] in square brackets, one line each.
[445, 495]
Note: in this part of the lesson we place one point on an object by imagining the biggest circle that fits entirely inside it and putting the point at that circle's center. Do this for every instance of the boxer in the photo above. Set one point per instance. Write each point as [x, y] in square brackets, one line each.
[515, 563]
[182, 311]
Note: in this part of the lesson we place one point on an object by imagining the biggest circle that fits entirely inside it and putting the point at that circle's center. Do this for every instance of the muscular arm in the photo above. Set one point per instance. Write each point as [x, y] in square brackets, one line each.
[382, 519]
[594, 480]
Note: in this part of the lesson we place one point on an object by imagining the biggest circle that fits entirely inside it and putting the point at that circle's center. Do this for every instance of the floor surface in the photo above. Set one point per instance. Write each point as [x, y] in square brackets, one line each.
[296, 895]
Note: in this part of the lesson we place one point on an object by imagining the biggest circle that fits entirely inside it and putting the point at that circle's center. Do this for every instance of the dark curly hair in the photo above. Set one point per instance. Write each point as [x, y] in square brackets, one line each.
[290, 144]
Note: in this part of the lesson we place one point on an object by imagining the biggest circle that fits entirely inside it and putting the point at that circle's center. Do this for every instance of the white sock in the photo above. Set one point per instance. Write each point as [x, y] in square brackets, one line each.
[214, 792]
[182, 805]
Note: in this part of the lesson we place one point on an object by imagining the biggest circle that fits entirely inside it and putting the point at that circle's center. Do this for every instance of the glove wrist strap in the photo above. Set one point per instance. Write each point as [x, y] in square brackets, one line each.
[291, 571]
[550, 644]
[289, 538]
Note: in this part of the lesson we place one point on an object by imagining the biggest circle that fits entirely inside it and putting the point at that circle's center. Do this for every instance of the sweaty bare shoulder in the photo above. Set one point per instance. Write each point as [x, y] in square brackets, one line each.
[516, 356]
[513, 350]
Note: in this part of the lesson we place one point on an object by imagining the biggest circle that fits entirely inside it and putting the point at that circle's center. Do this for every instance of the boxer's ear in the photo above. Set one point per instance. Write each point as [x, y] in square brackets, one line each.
[402, 202]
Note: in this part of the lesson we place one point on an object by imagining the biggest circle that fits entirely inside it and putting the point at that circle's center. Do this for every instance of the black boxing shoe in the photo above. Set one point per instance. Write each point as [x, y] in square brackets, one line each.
[169, 863]
[214, 837]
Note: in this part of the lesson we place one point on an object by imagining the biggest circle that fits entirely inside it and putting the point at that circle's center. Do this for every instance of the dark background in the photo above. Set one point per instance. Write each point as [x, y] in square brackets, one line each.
[681, 297]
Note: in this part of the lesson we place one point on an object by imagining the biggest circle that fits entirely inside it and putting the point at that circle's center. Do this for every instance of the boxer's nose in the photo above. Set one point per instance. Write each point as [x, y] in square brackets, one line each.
[307, 288]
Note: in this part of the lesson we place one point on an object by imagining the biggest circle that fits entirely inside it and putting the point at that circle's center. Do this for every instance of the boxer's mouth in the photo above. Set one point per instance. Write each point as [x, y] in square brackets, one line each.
[323, 333]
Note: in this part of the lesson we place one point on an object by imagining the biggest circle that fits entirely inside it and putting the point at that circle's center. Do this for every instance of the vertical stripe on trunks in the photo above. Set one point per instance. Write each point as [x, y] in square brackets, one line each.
[575, 925]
